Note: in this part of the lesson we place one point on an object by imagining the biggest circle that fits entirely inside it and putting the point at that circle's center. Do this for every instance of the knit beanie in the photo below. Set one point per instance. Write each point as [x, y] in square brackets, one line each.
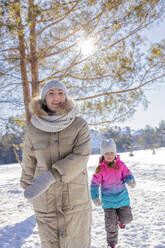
[54, 84]
[108, 146]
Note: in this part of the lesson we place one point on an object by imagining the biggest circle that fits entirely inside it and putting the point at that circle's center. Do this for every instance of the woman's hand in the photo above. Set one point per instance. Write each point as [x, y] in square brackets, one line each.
[39, 185]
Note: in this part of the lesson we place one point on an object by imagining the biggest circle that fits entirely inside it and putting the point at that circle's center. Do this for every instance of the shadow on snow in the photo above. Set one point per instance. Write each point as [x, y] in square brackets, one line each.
[14, 236]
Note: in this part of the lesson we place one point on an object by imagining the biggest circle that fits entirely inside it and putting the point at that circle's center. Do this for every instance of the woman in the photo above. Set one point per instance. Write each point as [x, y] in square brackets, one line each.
[55, 155]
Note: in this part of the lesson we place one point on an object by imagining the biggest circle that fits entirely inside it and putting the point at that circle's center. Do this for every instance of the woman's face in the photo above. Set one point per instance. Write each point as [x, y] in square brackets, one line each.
[109, 156]
[54, 99]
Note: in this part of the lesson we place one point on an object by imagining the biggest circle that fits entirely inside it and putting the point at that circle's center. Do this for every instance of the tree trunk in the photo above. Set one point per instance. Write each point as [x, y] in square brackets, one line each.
[33, 50]
[23, 64]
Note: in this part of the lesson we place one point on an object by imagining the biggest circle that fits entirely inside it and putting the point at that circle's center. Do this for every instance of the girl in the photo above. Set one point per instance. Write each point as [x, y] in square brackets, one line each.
[112, 174]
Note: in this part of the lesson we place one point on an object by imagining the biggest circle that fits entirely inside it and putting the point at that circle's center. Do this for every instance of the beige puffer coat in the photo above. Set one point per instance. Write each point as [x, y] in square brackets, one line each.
[63, 212]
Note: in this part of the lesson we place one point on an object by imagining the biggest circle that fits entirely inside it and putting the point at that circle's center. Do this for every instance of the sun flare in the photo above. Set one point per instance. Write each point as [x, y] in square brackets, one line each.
[87, 47]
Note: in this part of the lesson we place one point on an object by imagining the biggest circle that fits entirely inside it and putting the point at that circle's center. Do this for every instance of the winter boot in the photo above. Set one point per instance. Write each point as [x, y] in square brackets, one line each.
[111, 246]
[122, 226]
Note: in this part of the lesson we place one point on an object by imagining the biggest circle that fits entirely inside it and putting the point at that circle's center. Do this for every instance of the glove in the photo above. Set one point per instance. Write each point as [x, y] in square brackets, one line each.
[39, 186]
[132, 183]
[97, 202]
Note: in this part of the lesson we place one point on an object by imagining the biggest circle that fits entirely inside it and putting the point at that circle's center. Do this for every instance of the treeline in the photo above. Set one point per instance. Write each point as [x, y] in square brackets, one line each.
[127, 140]
[10, 148]
[11, 142]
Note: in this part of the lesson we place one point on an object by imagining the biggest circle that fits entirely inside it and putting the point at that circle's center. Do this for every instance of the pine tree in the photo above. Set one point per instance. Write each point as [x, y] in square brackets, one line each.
[43, 40]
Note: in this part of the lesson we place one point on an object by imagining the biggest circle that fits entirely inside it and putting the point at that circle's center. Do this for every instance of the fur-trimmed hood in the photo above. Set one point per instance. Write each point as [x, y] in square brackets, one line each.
[36, 107]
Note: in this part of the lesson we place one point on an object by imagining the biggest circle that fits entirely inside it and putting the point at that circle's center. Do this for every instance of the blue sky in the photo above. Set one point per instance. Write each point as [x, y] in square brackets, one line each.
[155, 95]
[155, 112]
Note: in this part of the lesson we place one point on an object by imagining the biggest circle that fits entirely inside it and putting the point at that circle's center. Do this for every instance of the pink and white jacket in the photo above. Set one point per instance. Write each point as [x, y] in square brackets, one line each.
[114, 193]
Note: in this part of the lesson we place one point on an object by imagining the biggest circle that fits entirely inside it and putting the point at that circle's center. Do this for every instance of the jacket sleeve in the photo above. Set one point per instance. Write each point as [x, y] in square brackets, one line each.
[94, 187]
[29, 163]
[127, 175]
[74, 163]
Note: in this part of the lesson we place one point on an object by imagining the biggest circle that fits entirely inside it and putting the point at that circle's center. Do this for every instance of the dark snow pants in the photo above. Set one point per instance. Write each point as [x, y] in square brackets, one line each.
[112, 216]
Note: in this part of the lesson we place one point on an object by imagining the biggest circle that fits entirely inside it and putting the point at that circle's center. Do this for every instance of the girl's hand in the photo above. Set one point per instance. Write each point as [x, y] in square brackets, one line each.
[131, 183]
[97, 202]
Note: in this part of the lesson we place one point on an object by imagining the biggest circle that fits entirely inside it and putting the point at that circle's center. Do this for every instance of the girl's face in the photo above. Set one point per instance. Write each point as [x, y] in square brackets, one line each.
[54, 99]
[109, 156]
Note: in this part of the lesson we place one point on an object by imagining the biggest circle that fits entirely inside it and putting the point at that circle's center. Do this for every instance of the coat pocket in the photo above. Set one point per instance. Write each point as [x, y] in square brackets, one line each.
[78, 190]
[40, 203]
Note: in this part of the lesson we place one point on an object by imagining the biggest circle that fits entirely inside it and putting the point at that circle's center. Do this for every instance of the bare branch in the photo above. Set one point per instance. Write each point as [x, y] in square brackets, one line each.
[12, 76]
[55, 53]
[9, 49]
[65, 70]
[9, 70]
[46, 49]
[54, 23]
[109, 122]
[120, 91]
[10, 58]
[71, 65]
[89, 78]
[6, 86]
[125, 37]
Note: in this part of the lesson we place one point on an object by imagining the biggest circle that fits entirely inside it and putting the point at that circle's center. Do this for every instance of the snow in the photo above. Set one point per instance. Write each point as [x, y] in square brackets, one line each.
[18, 225]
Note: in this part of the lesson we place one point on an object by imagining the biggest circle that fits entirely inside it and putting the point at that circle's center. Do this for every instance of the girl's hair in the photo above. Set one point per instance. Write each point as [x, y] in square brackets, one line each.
[109, 165]
[98, 168]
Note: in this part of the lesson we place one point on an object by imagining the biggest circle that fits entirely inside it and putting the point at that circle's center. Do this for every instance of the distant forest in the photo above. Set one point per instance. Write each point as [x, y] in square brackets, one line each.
[11, 142]
[128, 140]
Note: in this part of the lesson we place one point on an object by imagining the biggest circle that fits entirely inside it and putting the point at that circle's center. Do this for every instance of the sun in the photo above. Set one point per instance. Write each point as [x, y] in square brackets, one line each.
[87, 47]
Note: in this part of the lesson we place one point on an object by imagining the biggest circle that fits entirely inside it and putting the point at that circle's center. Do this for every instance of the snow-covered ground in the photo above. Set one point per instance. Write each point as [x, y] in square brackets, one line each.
[17, 221]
